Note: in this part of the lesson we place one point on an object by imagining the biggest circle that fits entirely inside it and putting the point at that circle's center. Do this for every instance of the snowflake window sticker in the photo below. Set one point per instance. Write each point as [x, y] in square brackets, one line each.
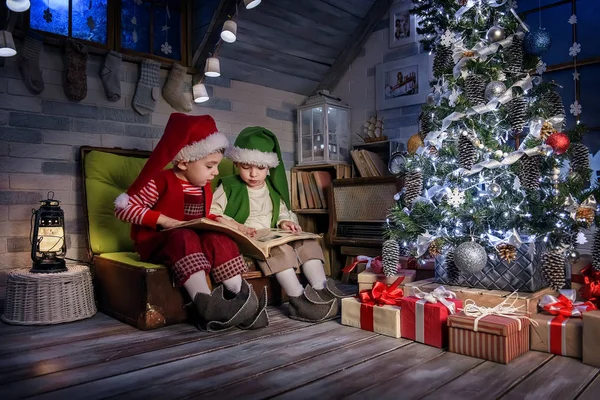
[575, 49]
[576, 108]
[573, 19]
[166, 48]
[134, 35]
[541, 68]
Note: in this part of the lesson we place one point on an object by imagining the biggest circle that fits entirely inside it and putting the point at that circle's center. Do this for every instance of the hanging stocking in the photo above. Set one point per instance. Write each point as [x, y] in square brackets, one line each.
[75, 73]
[109, 75]
[29, 65]
[147, 90]
[174, 90]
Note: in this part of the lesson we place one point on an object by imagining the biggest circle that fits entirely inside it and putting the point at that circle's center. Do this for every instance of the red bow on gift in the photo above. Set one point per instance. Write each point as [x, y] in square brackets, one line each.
[565, 304]
[373, 264]
[381, 294]
[591, 285]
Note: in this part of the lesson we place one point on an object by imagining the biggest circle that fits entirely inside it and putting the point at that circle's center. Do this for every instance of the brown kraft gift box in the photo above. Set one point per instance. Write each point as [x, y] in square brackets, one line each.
[563, 340]
[591, 338]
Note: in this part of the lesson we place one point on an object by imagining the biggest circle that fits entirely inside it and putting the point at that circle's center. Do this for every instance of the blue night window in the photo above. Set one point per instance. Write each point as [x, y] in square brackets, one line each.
[80, 19]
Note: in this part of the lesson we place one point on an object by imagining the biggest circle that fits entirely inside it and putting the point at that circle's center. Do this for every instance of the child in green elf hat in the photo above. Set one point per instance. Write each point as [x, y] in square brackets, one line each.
[257, 198]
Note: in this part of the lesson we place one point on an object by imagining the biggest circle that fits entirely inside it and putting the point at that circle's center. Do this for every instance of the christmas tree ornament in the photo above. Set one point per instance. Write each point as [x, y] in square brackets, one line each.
[555, 105]
[507, 252]
[580, 158]
[547, 130]
[426, 125]
[494, 189]
[559, 142]
[530, 171]
[495, 34]
[466, 152]
[470, 257]
[586, 215]
[413, 144]
[433, 151]
[553, 269]
[390, 257]
[514, 56]
[442, 61]
[596, 251]
[435, 248]
[413, 186]
[451, 270]
[537, 42]
[517, 113]
[430, 99]
[456, 198]
[573, 256]
[494, 89]
[475, 89]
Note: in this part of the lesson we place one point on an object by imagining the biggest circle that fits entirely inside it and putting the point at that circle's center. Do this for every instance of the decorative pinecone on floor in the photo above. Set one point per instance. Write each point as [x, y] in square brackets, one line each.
[442, 61]
[514, 56]
[596, 251]
[580, 157]
[413, 186]
[547, 130]
[530, 171]
[466, 152]
[390, 256]
[517, 113]
[451, 269]
[475, 89]
[426, 125]
[553, 269]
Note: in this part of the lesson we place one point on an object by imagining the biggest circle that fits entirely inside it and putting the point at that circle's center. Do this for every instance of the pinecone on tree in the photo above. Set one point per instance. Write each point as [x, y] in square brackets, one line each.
[426, 125]
[451, 269]
[580, 157]
[596, 251]
[514, 56]
[413, 186]
[435, 248]
[475, 89]
[390, 256]
[553, 269]
[530, 171]
[442, 61]
[547, 130]
[555, 103]
[466, 152]
[517, 113]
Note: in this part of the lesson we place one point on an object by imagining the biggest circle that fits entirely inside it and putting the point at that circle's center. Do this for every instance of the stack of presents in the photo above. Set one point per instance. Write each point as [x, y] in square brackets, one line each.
[493, 325]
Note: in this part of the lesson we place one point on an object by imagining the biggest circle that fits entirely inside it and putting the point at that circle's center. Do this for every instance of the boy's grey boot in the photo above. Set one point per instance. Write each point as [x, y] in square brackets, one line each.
[260, 319]
[330, 291]
[309, 307]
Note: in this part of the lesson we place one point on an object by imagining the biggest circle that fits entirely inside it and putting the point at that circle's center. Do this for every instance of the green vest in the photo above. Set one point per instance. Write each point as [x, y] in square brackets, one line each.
[238, 201]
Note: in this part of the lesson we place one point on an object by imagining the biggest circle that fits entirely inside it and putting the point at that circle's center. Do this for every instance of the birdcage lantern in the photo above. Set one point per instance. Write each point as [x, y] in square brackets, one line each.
[323, 130]
[48, 247]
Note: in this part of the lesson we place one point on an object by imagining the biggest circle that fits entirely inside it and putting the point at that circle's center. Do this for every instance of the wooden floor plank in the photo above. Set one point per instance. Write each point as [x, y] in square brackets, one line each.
[561, 378]
[218, 367]
[154, 353]
[286, 377]
[353, 379]
[592, 392]
[490, 380]
[421, 379]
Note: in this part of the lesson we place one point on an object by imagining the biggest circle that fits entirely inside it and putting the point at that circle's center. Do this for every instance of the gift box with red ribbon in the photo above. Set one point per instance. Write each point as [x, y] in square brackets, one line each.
[367, 278]
[559, 328]
[424, 316]
[376, 310]
[591, 333]
[498, 334]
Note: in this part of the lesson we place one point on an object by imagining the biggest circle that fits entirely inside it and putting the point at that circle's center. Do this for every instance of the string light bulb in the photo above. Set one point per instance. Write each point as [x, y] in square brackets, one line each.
[212, 68]
[200, 93]
[18, 5]
[250, 4]
[7, 44]
[229, 32]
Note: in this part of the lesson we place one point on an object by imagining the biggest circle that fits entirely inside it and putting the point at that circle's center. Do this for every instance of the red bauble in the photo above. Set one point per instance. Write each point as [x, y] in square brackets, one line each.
[559, 142]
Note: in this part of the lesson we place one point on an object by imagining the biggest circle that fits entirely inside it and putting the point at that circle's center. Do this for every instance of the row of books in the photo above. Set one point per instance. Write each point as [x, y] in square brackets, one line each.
[312, 189]
[368, 163]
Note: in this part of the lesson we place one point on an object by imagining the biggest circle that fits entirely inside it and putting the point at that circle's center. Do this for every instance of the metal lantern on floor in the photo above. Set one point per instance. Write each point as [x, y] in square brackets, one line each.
[323, 130]
[48, 247]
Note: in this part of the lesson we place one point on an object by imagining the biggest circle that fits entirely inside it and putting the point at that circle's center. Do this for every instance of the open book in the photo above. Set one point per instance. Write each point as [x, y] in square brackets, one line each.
[258, 246]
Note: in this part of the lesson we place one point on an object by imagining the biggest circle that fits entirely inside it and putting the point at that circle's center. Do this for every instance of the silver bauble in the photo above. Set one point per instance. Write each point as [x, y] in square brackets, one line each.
[495, 34]
[494, 189]
[494, 89]
[470, 257]
[430, 99]
[573, 256]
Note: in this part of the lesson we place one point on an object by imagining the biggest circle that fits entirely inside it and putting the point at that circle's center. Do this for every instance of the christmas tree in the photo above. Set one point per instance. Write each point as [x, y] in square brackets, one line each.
[490, 189]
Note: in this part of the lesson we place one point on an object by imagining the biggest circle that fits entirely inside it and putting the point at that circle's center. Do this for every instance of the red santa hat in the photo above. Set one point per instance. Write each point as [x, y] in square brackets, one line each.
[186, 138]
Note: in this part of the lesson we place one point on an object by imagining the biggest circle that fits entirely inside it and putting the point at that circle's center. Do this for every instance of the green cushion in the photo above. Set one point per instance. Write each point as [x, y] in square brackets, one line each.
[108, 175]
[129, 259]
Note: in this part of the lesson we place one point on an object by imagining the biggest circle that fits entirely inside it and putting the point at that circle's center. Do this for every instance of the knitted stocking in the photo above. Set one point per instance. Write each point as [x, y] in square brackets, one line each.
[173, 91]
[147, 90]
[76, 78]
[29, 65]
[109, 74]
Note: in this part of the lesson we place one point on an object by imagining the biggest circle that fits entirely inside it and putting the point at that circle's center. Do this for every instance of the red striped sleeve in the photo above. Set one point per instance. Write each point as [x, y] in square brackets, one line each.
[139, 209]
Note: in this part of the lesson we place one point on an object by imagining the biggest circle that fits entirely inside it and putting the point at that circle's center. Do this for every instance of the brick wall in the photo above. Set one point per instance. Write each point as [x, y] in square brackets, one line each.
[357, 87]
[40, 137]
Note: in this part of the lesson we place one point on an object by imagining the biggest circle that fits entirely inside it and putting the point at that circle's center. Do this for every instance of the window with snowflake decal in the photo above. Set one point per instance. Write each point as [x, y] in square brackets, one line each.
[80, 19]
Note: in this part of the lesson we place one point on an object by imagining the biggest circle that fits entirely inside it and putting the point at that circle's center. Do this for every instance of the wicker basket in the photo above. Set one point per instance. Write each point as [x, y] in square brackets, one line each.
[44, 299]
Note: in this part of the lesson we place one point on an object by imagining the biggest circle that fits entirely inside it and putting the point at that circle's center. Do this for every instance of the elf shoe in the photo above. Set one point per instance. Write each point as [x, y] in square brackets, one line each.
[330, 291]
[260, 319]
[309, 307]
[218, 313]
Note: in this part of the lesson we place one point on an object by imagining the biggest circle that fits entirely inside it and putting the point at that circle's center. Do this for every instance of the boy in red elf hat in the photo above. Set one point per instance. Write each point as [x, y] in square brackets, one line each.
[164, 198]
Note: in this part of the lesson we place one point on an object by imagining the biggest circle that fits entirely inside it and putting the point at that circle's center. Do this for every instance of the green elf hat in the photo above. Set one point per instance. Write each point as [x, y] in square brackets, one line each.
[258, 146]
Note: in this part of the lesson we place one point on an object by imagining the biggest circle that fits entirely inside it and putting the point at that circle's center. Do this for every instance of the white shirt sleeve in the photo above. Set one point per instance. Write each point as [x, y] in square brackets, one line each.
[285, 214]
[219, 203]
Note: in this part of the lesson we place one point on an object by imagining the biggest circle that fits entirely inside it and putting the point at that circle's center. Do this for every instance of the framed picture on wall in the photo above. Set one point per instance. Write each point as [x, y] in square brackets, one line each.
[402, 82]
[403, 26]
